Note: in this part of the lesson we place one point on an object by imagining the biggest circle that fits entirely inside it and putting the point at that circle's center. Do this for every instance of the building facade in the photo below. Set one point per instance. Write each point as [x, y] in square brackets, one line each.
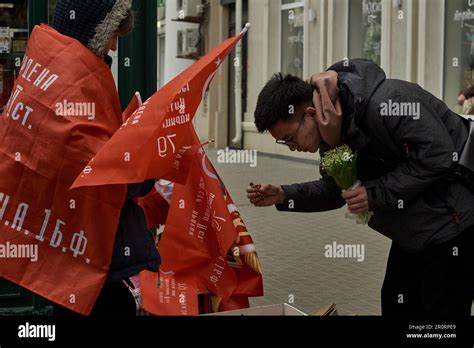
[429, 42]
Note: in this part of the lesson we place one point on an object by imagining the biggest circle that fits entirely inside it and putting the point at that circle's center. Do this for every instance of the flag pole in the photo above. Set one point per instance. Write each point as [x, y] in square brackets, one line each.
[208, 142]
[246, 28]
[139, 98]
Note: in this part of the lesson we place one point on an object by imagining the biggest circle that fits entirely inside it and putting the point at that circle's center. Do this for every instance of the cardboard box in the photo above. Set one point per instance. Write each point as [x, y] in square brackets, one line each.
[275, 310]
[284, 309]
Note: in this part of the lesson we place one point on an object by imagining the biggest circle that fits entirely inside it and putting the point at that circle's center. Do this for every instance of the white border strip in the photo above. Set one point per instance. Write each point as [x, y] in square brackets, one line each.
[409, 37]
[293, 5]
[421, 43]
[441, 46]
[322, 37]
[386, 40]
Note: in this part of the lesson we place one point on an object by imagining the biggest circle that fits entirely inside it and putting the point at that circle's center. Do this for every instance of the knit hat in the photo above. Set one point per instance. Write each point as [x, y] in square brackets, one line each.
[92, 22]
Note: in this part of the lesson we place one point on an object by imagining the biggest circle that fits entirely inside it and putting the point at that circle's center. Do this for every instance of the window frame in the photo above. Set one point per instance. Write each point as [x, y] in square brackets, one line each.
[297, 4]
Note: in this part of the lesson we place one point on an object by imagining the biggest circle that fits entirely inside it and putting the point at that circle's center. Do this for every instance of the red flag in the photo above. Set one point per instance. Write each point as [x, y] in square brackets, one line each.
[199, 223]
[155, 208]
[146, 145]
[205, 236]
[248, 270]
[134, 104]
[173, 294]
[45, 142]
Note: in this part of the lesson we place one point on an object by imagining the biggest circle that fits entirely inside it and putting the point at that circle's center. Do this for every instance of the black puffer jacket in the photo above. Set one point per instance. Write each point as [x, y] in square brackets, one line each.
[413, 202]
[134, 248]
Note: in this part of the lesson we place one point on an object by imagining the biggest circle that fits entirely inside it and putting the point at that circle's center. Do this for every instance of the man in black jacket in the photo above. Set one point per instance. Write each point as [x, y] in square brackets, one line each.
[408, 143]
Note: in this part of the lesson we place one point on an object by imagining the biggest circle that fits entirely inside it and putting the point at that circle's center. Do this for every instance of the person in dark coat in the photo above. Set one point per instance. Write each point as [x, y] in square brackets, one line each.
[98, 24]
[405, 162]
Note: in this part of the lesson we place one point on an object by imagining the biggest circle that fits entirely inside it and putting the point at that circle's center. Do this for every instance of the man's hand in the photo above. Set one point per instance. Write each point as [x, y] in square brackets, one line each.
[265, 195]
[329, 80]
[357, 201]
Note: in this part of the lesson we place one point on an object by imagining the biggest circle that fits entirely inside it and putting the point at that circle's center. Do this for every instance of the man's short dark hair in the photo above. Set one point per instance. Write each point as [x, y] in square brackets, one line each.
[275, 99]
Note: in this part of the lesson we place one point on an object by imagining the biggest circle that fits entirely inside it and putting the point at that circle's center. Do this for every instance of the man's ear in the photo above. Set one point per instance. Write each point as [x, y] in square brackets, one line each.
[310, 110]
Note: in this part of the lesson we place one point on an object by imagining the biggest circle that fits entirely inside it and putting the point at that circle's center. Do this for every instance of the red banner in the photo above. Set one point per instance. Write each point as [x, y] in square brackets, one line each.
[53, 124]
[199, 230]
[133, 106]
[147, 144]
[172, 294]
[204, 237]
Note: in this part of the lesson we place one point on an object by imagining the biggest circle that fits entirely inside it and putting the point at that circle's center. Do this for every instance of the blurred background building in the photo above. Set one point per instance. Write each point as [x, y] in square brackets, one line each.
[429, 42]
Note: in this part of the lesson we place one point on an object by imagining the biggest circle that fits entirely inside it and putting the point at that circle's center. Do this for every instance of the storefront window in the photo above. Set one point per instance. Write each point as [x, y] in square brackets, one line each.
[365, 29]
[13, 40]
[459, 51]
[292, 34]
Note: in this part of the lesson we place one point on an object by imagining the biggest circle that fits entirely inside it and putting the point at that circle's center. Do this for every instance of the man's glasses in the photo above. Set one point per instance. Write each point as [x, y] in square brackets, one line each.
[290, 141]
